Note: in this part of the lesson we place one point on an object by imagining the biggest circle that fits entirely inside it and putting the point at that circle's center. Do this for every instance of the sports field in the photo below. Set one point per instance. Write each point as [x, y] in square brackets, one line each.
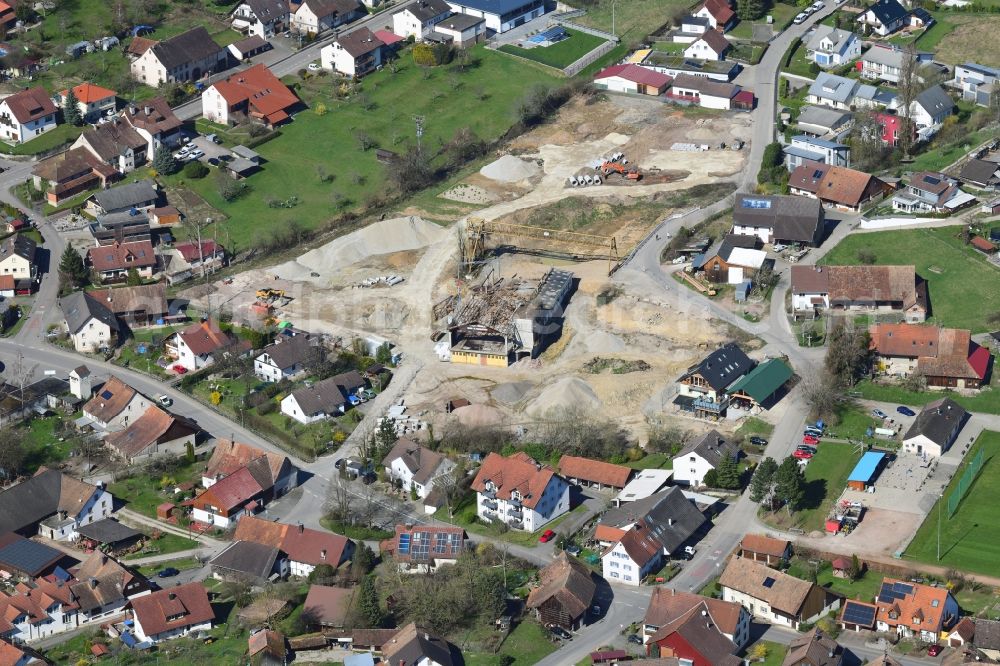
[968, 539]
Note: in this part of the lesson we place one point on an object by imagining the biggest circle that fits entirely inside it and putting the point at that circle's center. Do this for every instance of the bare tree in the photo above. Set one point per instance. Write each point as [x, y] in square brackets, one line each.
[339, 499]
[369, 505]
[909, 88]
[867, 149]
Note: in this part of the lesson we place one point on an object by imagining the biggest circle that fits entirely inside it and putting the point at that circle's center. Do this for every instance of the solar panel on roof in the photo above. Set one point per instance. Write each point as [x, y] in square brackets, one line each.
[932, 180]
[756, 203]
[885, 595]
[106, 395]
[768, 582]
[855, 613]
[902, 589]
[404, 544]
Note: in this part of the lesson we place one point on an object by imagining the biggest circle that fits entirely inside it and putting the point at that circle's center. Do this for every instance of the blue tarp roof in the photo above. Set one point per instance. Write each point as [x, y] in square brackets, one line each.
[865, 469]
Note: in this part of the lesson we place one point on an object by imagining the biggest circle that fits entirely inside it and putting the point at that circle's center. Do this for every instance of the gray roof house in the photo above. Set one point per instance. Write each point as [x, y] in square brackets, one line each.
[929, 109]
[784, 219]
[81, 309]
[669, 516]
[824, 121]
[976, 81]
[249, 561]
[323, 399]
[805, 148]
[286, 358]
[140, 194]
[840, 92]
[830, 46]
[935, 428]
[415, 466]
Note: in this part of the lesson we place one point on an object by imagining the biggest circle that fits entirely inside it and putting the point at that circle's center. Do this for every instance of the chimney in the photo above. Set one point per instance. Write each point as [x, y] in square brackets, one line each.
[301, 528]
[93, 583]
[104, 558]
[830, 654]
[171, 596]
[147, 109]
[322, 554]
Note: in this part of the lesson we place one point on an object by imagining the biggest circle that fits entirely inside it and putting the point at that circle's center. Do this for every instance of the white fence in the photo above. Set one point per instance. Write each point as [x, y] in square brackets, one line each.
[888, 222]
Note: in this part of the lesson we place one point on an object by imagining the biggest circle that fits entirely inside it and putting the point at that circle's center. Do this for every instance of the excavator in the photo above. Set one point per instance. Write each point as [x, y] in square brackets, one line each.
[268, 294]
[614, 167]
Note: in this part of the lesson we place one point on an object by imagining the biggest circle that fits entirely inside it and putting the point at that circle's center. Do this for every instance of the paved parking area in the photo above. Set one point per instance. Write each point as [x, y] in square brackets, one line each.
[908, 484]
[210, 149]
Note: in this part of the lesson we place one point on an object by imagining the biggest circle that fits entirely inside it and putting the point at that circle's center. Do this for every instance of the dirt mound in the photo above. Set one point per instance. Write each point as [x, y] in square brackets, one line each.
[385, 237]
[478, 415]
[568, 392]
[510, 393]
[509, 169]
[617, 366]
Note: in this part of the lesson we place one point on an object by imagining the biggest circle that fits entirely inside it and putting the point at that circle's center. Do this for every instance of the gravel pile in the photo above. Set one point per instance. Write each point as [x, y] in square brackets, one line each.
[568, 392]
[510, 393]
[509, 169]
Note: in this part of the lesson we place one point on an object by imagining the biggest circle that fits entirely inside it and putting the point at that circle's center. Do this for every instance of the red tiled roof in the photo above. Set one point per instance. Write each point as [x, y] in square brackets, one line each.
[608, 533]
[328, 605]
[231, 492]
[388, 38]
[981, 243]
[765, 545]
[918, 605]
[667, 606]
[636, 74]
[518, 472]
[122, 256]
[302, 544]
[979, 361]
[189, 249]
[89, 93]
[909, 340]
[261, 89]
[186, 604]
[721, 10]
[204, 337]
[640, 544]
[595, 471]
[30, 104]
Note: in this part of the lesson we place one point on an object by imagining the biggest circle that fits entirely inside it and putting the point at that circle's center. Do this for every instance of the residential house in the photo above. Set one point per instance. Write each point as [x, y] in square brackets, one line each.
[172, 613]
[268, 648]
[52, 505]
[197, 346]
[631, 78]
[519, 491]
[93, 102]
[357, 53]
[690, 29]
[935, 429]
[773, 596]
[964, 632]
[273, 471]
[228, 500]
[112, 263]
[36, 609]
[501, 16]
[138, 195]
[779, 219]
[805, 149]
[18, 255]
[594, 473]
[718, 13]
[857, 616]
[415, 646]
[22, 559]
[930, 109]
[884, 62]
[931, 192]
[115, 406]
[125, 227]
[155, 433]
[155, 122]
[877, 288]
[253, 94]
[305, 548]
[316, 16]
[286, 358]
[424, 548]
[564, 593]
[702, 388]
[264, 18]
[643, 534]
[915, 610]
[675, 64]
[737, 258]
[701, 455]
[69, 173]
[761, 548]
[710, 46]
[328, 607]
[884, 17]
[945, 357]
[836, 186]
[831, 47]
[891, 128]
[703, 91]
[838, 92]
[977, 82]
[980, 173]
[814, 649]
[26, 114]
[116, 144]
[188, 56]
[417, 20]
[414, 467]
[189, 256]
[324, 399]
[249, 562]
[464, 30]
[90, 323]
[669, 611]
[984, 638]
[823, 121]
[19, 654]
[8, 20]
[760, 388]
[142, 305]
[104, 586]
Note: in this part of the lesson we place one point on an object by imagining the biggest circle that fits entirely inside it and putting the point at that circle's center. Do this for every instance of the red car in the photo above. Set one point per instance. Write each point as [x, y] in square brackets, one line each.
[546, 536]
[809, 439]
[802, 454]
[934, 650]
[180, 369]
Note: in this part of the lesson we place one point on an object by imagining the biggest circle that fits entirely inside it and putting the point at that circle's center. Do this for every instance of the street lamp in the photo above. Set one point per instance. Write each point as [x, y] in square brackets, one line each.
[613, 3]
[940, 499]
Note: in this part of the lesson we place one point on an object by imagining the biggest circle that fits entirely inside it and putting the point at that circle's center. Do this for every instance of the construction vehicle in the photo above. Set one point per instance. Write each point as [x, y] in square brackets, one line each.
[615, 167]
[270, 294]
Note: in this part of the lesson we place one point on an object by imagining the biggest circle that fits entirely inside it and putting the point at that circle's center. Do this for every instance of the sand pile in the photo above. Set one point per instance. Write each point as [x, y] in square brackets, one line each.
[568, 392]
[385, 237]
[510, 393]
[509, 169]
[478, 415]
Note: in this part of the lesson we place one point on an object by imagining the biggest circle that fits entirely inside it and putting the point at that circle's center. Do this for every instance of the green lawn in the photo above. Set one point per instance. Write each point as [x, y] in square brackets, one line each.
[181, 564]
[964, 288]
[653, 461]
[356, 532]
[143, 493]
[676, 48]
[166, 544]
[968, 539]
[864, 589]
[938, 157]
[754, 426]
[987, 401]
[62, 134]
[775, 653]
[41, 443]
[323, 140]
[633, 21]
[528, 644]
[561, 54]
[799, 65]
[826, 476]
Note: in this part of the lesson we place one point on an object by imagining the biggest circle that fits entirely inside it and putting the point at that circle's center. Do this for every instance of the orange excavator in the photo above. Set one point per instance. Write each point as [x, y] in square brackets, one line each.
[614, 167]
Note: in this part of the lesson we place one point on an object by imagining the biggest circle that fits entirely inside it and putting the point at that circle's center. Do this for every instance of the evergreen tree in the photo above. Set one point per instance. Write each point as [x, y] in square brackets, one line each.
[711, 479]
[132, 278]
[729, 473]
[71, 109]
[164, 162]
[364, 559]
[790, 483]
[749, 10]
[762, 483]
[368, 603]
[72, 268]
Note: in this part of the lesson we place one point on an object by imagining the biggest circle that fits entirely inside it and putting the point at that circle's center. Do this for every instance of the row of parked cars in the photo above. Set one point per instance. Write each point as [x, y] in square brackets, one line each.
[810, 441]
[808, 11]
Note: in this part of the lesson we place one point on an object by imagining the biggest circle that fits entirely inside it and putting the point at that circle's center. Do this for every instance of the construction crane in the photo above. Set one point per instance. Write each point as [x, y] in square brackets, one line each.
[479, 231]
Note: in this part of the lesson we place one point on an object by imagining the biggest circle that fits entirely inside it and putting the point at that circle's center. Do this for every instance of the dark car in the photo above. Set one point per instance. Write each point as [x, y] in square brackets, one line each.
[905, 411]
[758, 441]
[214, 161]
[635, 638]
[339, 464]
[559, 632]
[169, 572]
[934, 650]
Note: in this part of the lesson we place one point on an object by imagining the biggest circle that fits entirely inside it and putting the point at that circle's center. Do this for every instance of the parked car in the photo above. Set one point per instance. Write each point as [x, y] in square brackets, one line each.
[905, 411]
[799, 18]
[818, 5]
[934, 650]
[635, 639]
[339, 464]
[810, 449]
[196, 154]
[314, 67]
[169, 572]
[180, 369]
[572, 550]
[559, 632]
[809, 439]
[802, 454]
[596, 609]
[778, 247]
[758, 441]
[879, 414]
[164, 400]
[547, 536]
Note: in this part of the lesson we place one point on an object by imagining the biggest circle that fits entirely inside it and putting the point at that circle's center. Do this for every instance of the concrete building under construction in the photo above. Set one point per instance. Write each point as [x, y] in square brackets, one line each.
[504, 321]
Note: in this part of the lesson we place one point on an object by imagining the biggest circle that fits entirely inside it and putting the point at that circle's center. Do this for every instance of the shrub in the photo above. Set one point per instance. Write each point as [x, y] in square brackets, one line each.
[195, 169]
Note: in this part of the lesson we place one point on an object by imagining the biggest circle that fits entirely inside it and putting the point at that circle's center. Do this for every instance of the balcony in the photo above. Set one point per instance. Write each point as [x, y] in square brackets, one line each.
[489, 493]
[514, 511]
[515, 503]
[708, 405]
[490, 505]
